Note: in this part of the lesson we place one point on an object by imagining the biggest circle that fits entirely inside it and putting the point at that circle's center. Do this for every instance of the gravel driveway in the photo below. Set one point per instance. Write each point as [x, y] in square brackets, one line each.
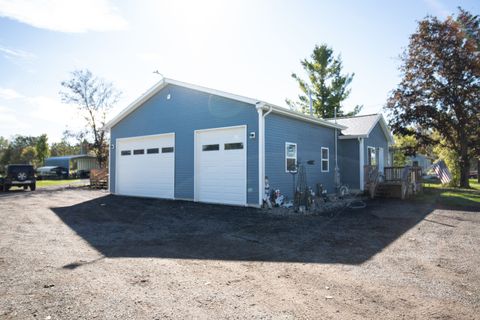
[81, 254]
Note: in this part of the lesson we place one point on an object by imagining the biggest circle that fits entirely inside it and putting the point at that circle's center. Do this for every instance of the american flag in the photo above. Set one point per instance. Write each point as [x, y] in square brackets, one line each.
[442, 171]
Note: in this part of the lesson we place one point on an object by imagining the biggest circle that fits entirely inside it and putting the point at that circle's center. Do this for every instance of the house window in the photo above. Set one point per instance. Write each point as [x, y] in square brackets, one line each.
[152, 150]
[325, 160]
[371, 156]
[139, 151]
[233, 146]
[210, 147]
[290, 157]
[126, 152]
[167, 150]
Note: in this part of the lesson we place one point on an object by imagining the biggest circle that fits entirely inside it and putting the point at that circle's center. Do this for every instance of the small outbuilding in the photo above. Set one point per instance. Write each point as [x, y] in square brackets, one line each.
[183, 141]
[75, 164]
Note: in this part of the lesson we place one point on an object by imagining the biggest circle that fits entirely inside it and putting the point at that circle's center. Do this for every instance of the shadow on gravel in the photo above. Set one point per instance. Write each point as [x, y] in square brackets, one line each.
[135, 227]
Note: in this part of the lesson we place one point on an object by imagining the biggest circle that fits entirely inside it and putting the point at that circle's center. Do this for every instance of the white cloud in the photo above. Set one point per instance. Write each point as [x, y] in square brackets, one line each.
[65, 15]
[9, 94]
[52, 110]
[37, 115]
[9, 120]
[11, 53]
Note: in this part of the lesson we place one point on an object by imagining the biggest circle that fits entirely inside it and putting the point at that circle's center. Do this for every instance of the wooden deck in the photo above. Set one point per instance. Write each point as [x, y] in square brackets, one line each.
[394, 182]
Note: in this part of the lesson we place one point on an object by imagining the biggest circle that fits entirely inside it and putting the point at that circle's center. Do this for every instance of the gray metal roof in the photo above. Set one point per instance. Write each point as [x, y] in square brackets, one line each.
[358, 125]
[361, 126]
[71, 157]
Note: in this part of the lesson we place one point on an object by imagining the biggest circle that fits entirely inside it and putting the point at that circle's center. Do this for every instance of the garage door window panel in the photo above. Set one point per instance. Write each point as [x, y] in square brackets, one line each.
[138, 151]
[210, 147]
[167, 150]
[152, 150]
[126, 153]
[234, 146]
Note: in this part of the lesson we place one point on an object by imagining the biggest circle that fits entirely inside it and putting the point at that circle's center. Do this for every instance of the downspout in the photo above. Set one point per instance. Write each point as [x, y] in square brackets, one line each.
[261, 107]
[337, 173]
[362, 162]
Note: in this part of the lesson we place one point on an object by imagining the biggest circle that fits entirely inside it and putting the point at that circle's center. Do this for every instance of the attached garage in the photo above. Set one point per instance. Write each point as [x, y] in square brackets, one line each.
[146, 166]
[221, 165]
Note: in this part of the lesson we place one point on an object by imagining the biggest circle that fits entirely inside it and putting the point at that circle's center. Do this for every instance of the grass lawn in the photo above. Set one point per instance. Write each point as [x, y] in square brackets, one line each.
[456, 197]
[49, 183]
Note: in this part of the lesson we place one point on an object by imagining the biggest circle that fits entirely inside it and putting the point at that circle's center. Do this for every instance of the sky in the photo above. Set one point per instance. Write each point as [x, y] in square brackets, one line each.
[246, 47]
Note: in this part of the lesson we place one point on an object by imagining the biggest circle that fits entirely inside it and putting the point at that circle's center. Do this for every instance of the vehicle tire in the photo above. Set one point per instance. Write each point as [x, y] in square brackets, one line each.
[33, 186]
[25, 187]
[6, 187]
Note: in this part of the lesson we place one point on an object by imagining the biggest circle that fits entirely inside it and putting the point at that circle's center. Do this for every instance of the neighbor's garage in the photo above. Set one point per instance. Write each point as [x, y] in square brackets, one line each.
[221, 165]
[146, 166]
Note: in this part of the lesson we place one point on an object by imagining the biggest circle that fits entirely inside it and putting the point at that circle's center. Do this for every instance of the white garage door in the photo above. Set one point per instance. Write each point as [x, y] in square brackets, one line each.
[221, 166]
[146, 166]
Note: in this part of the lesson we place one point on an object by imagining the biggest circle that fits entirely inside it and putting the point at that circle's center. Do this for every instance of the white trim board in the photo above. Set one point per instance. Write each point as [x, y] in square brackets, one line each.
[361, 162]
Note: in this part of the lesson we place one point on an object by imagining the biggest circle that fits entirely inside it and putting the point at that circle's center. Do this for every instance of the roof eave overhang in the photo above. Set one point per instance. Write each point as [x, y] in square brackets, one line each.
[356, 136]
[301, 116]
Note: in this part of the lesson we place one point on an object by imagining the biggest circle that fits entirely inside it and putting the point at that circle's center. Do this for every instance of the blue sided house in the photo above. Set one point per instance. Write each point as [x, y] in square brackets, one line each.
[183, 141]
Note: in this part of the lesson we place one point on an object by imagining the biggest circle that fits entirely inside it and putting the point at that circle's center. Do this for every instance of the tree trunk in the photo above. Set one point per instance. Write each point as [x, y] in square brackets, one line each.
[464, 165]
[478, 170]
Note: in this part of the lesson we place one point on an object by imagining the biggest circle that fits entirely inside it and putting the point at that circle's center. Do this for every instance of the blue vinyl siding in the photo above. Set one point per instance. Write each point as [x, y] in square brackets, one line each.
[310, 138]
[376, 139]
[349, 162]
[349, 157]
[188, 110]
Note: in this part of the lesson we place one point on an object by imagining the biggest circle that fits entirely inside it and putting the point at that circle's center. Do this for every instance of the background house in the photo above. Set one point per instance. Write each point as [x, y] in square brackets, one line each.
[420, 160]
[73, 163]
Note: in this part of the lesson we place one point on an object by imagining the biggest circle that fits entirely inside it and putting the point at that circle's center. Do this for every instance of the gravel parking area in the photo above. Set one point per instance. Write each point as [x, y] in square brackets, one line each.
[76, 253]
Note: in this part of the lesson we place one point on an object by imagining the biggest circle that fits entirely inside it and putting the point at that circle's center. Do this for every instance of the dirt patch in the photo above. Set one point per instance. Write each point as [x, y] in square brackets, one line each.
[79, 253]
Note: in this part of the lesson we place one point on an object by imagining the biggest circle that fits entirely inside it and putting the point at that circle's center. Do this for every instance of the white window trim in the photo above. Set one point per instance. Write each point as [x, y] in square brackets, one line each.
[287, 157]
[375, 152]
[327, 159]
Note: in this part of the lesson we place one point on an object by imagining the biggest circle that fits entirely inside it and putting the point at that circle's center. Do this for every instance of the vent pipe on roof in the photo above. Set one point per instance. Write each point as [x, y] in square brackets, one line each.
[310, 100]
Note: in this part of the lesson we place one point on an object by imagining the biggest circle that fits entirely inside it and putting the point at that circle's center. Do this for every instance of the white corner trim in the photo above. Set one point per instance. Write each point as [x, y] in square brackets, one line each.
[362, 161]
[261, 107]
[110, 163]
[261, 155]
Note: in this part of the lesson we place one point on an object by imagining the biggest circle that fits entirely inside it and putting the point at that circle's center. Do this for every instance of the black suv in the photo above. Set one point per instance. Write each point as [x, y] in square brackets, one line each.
[18, 175]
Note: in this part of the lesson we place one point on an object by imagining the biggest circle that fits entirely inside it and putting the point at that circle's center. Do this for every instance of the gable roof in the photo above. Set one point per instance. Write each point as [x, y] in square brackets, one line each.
[362, 126]
[166, 81]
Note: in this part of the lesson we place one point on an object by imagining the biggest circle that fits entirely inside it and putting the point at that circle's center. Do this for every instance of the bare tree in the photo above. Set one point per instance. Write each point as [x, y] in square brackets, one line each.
[94, 97]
